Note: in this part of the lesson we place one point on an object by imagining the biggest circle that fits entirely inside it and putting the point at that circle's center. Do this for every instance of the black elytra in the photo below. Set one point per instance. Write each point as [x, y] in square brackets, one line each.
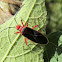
[34, 35]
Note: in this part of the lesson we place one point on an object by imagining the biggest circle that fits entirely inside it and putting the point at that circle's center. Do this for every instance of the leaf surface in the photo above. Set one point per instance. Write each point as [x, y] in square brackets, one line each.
[12, 46]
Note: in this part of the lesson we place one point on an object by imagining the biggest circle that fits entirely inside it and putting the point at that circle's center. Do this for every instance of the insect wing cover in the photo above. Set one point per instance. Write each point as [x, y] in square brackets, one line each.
[34, 35]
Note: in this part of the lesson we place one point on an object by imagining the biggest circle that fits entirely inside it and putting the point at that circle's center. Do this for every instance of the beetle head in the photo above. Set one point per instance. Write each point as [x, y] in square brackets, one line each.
[18, 27]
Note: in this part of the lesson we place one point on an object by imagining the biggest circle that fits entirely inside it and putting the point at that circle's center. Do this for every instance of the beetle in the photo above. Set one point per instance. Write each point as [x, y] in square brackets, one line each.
[31, 34]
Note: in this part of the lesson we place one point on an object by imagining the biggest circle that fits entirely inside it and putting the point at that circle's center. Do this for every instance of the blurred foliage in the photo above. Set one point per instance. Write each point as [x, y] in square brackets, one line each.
[54, 12]
[54, 15]
[8, 8]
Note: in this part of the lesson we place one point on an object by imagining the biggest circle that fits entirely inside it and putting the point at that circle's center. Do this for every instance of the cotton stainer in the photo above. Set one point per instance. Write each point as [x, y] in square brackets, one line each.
[31, 34]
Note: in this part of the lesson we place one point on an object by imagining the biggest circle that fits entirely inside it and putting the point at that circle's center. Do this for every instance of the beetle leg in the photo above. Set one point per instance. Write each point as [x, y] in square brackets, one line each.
[17, 32]
[26, 40]
[34, 26]
[27, 24]
[22, 23]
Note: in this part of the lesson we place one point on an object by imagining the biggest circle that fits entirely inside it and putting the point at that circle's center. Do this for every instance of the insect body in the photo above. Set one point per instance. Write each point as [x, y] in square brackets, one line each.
[31, 34]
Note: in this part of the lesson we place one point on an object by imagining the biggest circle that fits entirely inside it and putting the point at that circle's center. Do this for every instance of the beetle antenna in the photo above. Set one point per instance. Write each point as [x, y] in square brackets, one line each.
[15, 20]
[6, 28]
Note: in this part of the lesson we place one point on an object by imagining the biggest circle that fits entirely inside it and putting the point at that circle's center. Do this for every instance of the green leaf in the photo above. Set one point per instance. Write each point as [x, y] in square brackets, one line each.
[53, 51]
[12, 46]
